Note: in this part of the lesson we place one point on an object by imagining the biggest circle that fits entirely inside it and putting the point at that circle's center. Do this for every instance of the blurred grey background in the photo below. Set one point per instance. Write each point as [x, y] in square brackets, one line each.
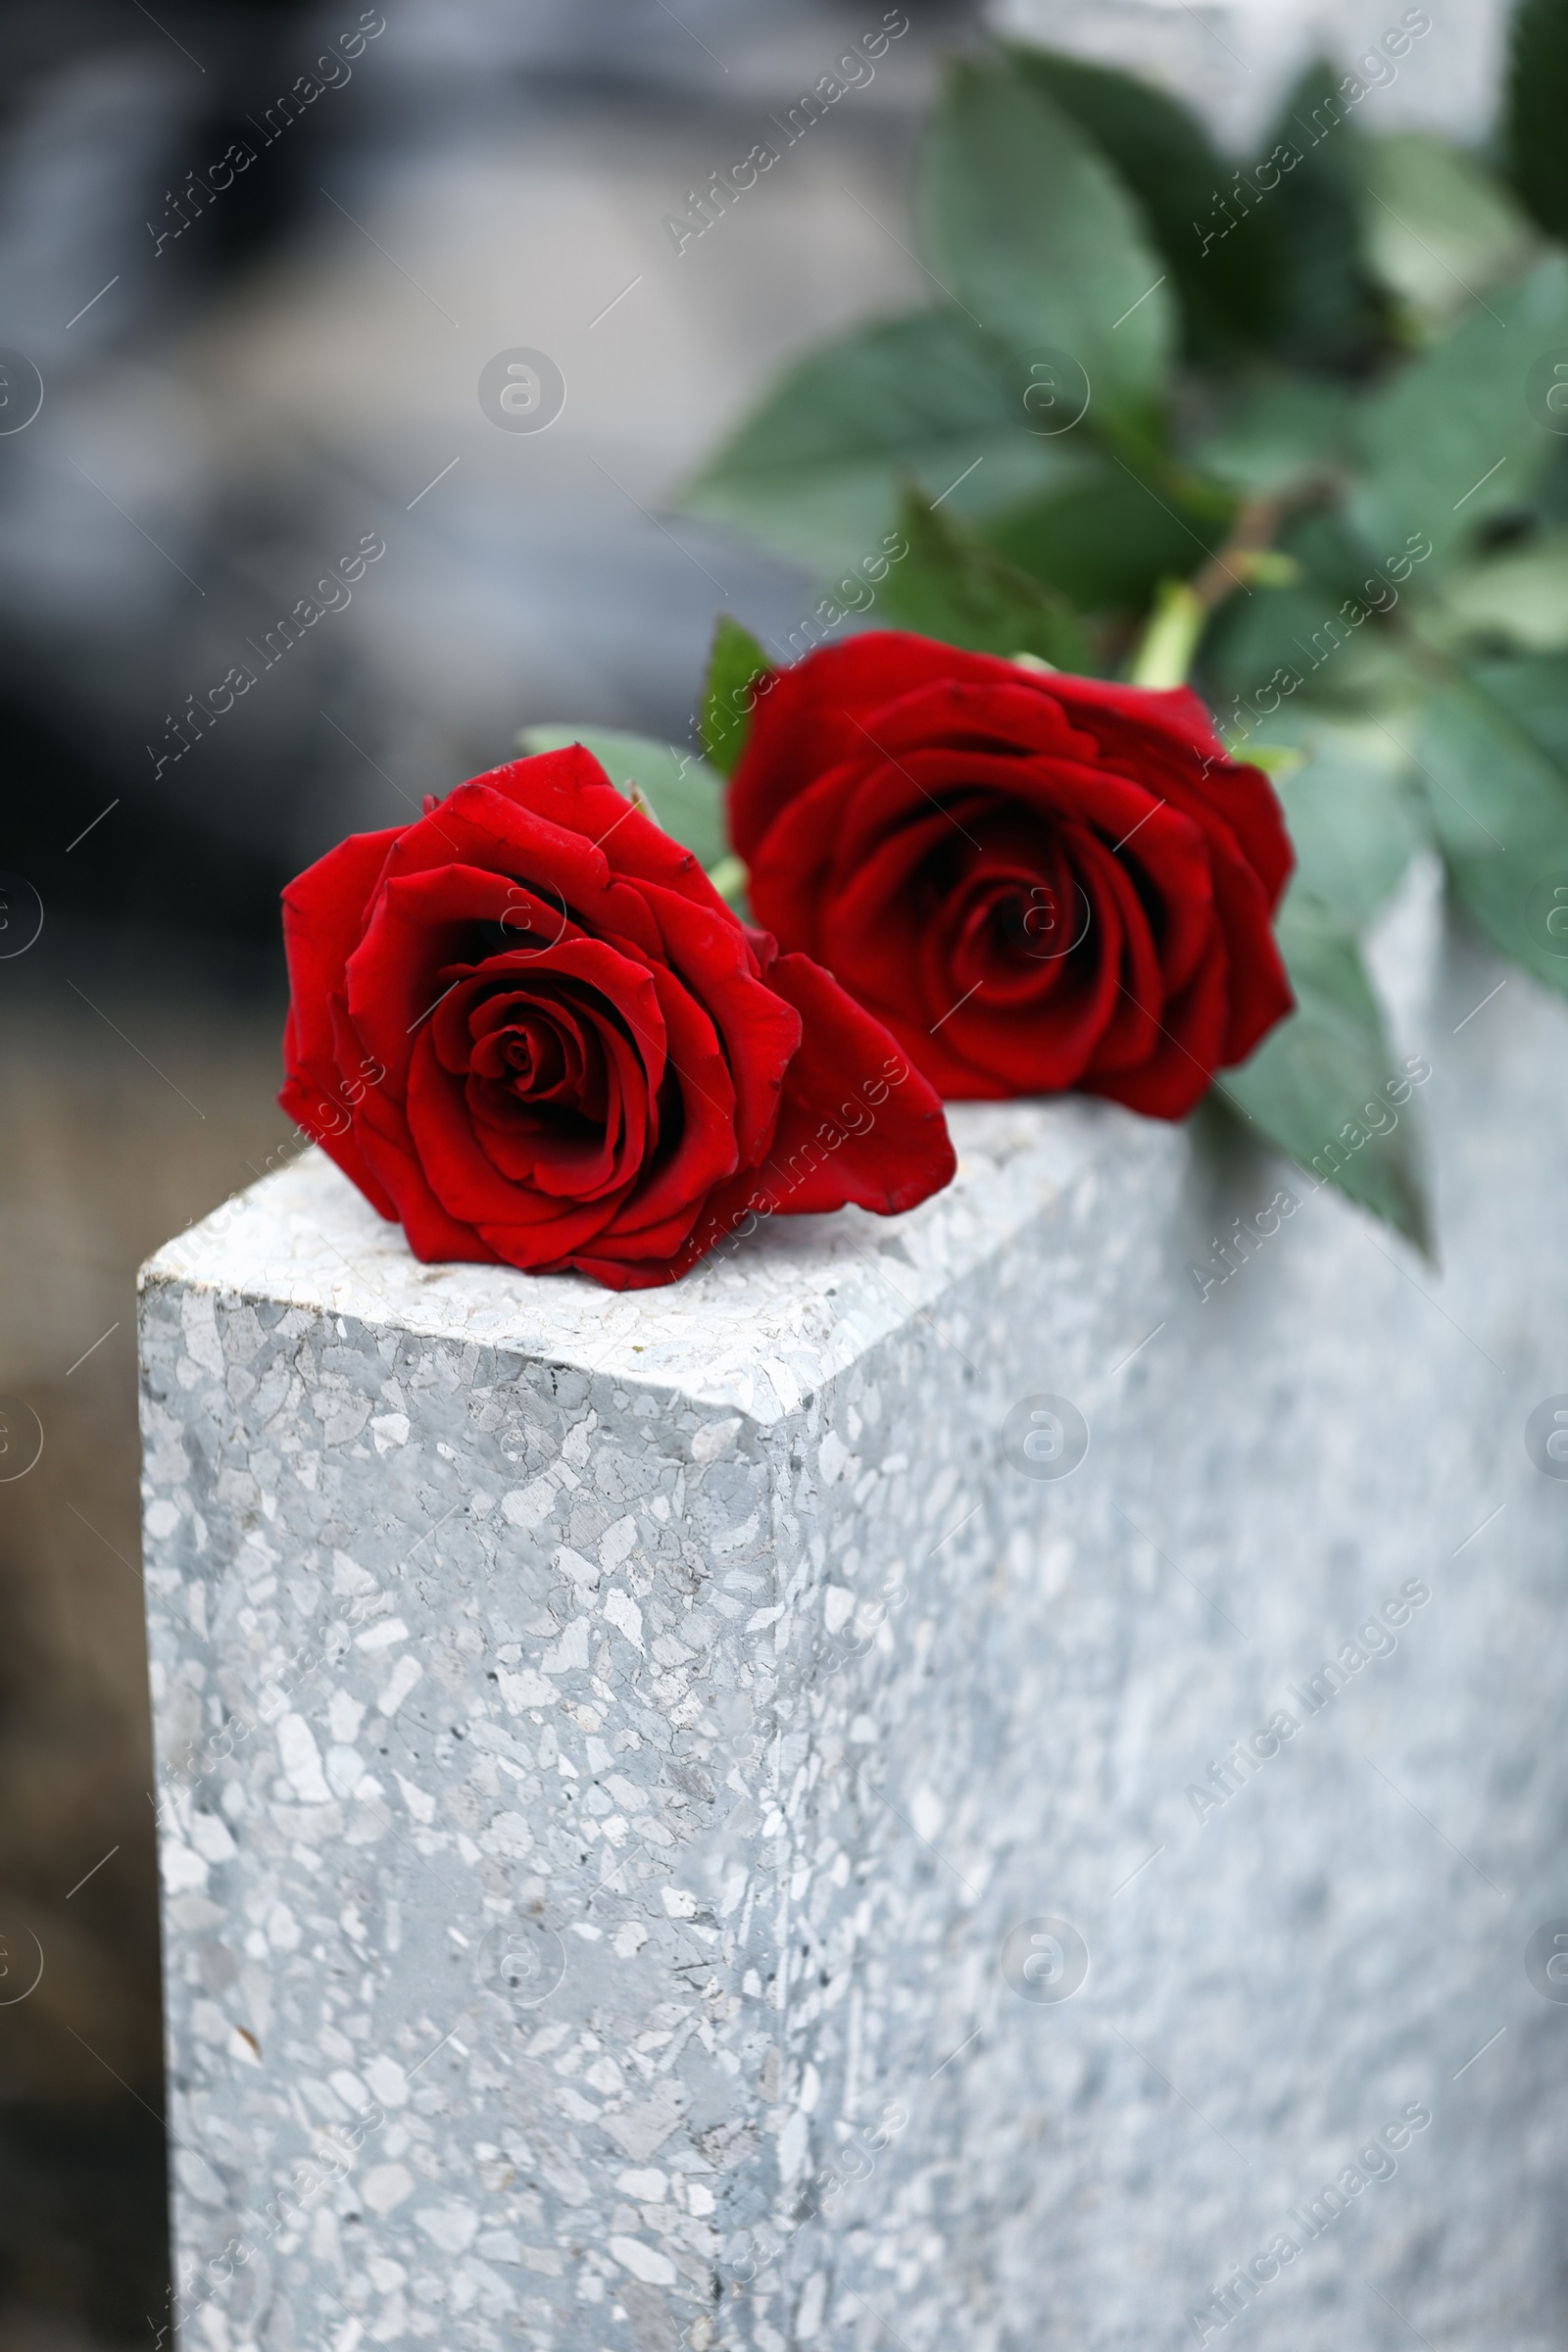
[296, 366]
[241, 383]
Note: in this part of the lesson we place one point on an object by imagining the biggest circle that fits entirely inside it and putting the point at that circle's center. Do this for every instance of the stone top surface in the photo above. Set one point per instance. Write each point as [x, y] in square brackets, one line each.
[757, 1327]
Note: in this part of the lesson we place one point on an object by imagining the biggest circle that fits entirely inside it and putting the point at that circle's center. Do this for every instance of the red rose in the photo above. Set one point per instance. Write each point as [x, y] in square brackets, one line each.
[529, 1028]
[1038, 881]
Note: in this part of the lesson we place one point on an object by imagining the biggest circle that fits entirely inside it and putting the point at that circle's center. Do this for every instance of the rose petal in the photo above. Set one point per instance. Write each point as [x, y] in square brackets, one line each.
[324, 914]
[894, 1154]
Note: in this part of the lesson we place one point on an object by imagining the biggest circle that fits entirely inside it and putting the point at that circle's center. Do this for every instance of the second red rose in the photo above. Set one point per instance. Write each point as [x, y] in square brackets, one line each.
[1038, 881]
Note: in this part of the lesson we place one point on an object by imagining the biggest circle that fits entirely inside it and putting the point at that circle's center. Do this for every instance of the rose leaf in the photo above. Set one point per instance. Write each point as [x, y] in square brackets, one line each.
[1354, 817]
[1319, 1085]
[953, 586]
[1222, 260]
[1106, 540]
[1440, 229]
[724, 717]
[1499, 807]
[1038, 240]
[1448, 441]
[1309, 190]
[812, 470]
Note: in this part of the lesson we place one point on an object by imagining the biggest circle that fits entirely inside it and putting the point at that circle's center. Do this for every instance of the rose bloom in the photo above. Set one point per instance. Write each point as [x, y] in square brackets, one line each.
[529, 1028]
[1036, 880]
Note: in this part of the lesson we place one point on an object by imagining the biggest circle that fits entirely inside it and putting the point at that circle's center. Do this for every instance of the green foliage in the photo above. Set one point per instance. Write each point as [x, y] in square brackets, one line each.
[1303, 636]
[1109, 541]
[1519, 597]
[1353, 815]
[734, 665]
[1536, 110]
[1031, 233]
[1281, 431]
[1499, 807]
[1550, 502]
[1311, 374]
[682, 793]
[1165, 158]
[1534, 691]
[1450, 441]
[1329, 311]
[927, 397]
[1317, 1083]
[953, 587]
[1439, 230]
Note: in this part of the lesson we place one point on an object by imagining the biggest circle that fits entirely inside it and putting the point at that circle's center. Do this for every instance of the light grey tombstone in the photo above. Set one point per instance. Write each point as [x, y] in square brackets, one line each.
[715, 1816]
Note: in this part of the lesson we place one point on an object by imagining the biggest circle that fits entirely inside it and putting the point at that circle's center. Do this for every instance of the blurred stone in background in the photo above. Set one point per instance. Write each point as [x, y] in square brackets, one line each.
[246, 396]
[227, 413]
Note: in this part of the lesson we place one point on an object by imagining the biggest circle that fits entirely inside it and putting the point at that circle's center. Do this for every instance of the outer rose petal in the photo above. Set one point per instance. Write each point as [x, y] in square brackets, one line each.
[758, 1025]
[571, 788]
[323, 921]
[323, 916]
[432, 1234]
[900, 1157]
[812, 715]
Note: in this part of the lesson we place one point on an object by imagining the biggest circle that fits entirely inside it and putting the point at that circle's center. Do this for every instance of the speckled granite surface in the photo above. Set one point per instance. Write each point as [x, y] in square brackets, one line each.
[676, 1831]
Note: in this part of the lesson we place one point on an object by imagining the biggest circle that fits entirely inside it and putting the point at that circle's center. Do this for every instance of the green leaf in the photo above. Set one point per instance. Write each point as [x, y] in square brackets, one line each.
[1329, 310]
[1330, 669]
[1521, 594]
[1354, 817]
[734, 666]
[1280, 431]
[1551, 491]
[1278, 642]
[953, 586]
[683, 792]
[1164, 156]
[1439, 229]
[1451, 441]
[1533, 689]
[814, 469]
[1036, 238]
[1536, 107]
[1501, 810]
[1318, 1081]
[1308, 632]
[1109, 541]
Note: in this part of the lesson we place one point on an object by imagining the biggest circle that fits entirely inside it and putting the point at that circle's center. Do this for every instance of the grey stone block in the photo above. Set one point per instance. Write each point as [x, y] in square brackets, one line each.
[680, 1825]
